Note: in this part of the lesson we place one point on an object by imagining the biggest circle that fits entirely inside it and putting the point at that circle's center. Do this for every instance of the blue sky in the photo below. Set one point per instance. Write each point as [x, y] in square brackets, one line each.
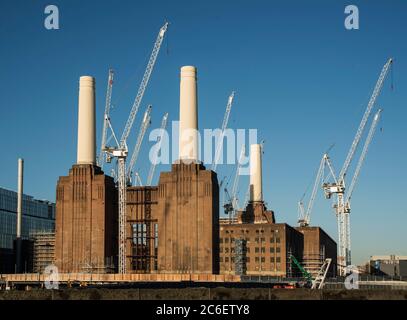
[300, 77]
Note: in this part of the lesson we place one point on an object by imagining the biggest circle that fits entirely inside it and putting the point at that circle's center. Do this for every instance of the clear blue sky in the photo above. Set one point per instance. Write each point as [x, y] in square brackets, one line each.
[301, 78]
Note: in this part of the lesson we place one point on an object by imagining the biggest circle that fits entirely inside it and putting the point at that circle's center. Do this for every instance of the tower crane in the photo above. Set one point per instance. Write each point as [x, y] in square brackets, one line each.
[106, 117]
[232, 203]
[120, 151]
[224, 125]
[143, 128]
[304, 218]
[338, 187]
[362, 159]
[154, 162]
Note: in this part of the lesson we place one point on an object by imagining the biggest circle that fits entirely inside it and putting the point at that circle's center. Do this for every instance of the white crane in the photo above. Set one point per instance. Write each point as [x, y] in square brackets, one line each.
[338, 187]
[106, 118]
[304, 218]
[362, 159]
[232, 202]
[120, 151]
[143, 129]
[224, 125]
[236, 180]
[154, 161]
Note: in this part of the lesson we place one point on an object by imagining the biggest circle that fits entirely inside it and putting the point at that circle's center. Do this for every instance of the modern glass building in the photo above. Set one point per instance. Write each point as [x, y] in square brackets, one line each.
[38, 215]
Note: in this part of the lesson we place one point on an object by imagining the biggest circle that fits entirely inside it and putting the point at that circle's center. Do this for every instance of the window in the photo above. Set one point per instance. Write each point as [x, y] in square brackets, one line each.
[272, 259]
[248, 259]
[232, 259]
[263, 250]
[220, 240]
[271, 240]
[226, 240]
[256, 240]
[278, 259]
[226, 250]
[257, 259]
[263, 240]
[263, 259]
[256, 250]
[277, 240]
[278, 249]
[248, 249]
[221, 250]
[271, 249]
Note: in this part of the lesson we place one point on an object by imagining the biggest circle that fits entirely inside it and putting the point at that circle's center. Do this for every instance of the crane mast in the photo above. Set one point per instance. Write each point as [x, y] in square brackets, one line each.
[224, 125]
[143, 128]
[106, 117]
[342, 207]
[120, 151]
[154, 162]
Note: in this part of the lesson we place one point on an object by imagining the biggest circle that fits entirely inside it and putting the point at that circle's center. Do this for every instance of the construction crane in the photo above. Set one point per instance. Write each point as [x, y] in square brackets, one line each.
[159, 139]
[319, 281]
[338, 186]
[304, 218]
[106, 118]
[304, 272]
[120, 151]
[224, 125]
[137, 179]
[361, 160]
[305, 215]
[143, 128]
[232, 204]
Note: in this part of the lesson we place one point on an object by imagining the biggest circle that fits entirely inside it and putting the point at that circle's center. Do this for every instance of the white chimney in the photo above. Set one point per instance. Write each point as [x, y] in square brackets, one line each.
[188, 115]
[86, 153]
[20, 195]
[256, 185]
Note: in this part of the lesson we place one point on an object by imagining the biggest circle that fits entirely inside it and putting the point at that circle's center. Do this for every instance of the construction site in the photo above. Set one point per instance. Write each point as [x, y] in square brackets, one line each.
[112, 232]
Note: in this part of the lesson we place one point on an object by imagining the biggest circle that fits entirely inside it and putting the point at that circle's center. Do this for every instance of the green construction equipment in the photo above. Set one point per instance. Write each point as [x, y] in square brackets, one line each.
[304, 272]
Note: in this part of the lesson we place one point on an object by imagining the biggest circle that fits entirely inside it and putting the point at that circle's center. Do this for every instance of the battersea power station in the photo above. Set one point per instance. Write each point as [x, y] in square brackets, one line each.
[174, 227]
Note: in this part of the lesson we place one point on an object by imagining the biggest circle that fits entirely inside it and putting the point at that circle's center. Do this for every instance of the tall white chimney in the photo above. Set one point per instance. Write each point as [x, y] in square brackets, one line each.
[256, 185]
[86, 153]
[188, 115]
[20, 180]
[20, 195]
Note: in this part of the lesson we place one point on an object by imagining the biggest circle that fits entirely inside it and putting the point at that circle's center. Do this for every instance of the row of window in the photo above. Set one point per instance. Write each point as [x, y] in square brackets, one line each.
[256, 259]
[247, 231]
[256, 250]
[256, 240]
[8, 221]
[31, 206]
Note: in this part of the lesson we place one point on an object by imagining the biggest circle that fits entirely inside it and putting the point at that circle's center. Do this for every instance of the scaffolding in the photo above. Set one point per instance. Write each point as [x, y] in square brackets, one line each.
[43, 250]
[313, 262]
[240, 256]
[143, 238]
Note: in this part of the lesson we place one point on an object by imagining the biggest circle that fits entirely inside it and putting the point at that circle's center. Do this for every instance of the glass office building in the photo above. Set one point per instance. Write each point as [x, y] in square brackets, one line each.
[38, 215]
